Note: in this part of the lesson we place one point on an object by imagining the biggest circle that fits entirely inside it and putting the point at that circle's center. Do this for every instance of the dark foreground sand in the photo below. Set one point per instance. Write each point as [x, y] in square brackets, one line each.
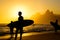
[41, 36]
[46, 36]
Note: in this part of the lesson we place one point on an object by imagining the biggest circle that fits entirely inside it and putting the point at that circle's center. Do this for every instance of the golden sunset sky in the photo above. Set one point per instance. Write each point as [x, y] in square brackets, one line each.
[9, 8]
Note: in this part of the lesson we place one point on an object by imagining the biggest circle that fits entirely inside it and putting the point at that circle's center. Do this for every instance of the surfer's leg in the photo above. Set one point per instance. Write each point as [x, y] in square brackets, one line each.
[55, 30]
[21, 31]
[11, 32]
[20, 36]
[16, 33]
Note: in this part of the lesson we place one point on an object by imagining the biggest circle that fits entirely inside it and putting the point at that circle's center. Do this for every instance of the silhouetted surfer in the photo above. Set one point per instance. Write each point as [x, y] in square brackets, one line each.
[55, 25]
[20, 27]
[56, 22]
[11, 30]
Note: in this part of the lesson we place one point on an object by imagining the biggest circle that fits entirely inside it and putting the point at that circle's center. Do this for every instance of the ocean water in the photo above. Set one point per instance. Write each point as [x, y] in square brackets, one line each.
[29, 28]
[4, 29]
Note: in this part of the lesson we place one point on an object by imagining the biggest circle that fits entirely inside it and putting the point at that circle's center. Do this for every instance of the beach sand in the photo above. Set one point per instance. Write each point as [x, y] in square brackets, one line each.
[40, 36]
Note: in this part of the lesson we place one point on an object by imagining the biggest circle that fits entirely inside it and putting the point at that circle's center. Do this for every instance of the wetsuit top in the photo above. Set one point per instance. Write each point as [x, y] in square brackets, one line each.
[20, 18]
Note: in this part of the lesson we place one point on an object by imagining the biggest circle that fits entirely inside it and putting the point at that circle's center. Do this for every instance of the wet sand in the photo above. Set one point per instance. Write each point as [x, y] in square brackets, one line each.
[48, 36]
[40, 36]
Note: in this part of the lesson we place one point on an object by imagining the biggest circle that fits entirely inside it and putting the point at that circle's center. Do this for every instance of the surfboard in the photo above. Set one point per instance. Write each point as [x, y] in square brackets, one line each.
[24, 23]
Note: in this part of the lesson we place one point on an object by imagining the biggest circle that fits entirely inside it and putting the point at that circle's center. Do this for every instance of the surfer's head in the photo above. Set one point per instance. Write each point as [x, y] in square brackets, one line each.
[19, 13]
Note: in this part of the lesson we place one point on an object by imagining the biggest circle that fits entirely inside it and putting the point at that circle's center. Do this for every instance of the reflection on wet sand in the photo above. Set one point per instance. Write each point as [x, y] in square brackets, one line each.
[33, 34]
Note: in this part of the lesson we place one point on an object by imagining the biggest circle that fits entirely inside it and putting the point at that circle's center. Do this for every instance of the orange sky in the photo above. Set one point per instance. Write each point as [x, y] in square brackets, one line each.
[9, 8]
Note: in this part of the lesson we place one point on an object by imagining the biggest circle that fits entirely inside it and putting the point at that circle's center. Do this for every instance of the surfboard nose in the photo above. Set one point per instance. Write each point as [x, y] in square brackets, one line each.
[32, 22]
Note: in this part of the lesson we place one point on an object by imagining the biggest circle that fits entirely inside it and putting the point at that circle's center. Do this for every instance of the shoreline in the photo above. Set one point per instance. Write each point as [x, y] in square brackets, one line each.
[35, 36]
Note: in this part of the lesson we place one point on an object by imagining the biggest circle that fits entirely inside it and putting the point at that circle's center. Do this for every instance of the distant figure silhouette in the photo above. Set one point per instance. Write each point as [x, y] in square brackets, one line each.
[55, 25]
[19, 25]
